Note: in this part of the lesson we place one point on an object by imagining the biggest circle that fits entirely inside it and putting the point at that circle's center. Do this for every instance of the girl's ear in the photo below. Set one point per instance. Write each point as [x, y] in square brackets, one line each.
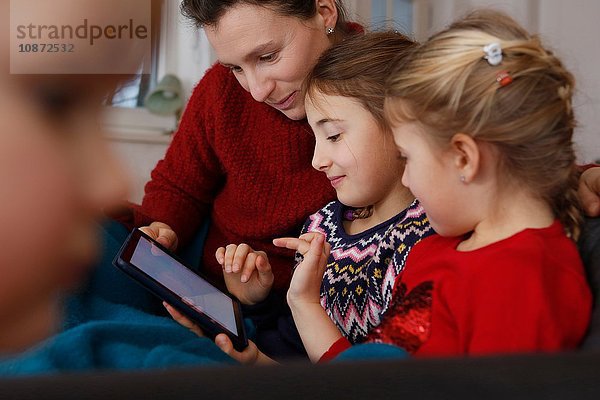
[327, 9]
[467, 156]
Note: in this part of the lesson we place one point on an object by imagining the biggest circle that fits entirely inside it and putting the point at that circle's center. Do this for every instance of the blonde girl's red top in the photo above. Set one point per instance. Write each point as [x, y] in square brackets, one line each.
[526, 293]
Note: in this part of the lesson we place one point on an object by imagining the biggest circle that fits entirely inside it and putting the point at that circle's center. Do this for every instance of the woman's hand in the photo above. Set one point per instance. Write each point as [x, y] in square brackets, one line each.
[250, 356]
[183, 320]
[589, 191]
[162, 233]
[247, 273]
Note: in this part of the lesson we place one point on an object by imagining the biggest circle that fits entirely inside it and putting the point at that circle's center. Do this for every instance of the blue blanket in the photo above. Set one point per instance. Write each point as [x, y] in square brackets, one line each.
[129, 339]
[113, 323]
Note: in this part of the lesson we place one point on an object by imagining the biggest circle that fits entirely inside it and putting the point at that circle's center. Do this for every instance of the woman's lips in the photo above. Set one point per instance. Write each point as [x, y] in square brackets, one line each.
[285, 103]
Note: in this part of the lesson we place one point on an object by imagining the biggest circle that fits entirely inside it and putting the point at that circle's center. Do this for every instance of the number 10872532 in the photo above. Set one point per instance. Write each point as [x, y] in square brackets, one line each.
[46, 48]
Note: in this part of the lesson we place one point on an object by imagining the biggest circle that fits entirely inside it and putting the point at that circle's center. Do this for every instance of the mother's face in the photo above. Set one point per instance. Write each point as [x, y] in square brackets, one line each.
[270, 54]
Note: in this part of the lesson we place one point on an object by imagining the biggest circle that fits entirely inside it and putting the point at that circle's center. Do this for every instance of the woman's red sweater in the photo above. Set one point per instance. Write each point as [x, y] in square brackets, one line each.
[241, 163]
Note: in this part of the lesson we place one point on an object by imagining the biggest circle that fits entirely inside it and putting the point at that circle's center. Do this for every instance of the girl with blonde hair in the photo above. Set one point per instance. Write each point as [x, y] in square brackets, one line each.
[482, 113]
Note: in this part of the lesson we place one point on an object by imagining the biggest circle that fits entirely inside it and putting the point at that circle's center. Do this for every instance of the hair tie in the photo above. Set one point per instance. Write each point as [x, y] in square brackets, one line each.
[504, 78]
[493, 53]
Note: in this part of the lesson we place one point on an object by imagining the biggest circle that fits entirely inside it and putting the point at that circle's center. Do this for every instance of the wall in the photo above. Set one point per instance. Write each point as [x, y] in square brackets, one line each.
[138, 158]
[572, 28]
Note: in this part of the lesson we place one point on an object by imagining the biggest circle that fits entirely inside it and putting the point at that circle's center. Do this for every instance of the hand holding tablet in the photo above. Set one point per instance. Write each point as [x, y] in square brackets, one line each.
[162, 273]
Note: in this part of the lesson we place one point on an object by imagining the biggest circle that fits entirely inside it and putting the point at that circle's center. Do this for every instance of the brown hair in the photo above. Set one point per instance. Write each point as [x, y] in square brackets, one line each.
[208, 12]
[358, 67]
[447, 85]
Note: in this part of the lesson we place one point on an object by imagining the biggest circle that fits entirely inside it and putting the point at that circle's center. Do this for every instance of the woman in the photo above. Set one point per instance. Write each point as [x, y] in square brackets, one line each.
[241, 156]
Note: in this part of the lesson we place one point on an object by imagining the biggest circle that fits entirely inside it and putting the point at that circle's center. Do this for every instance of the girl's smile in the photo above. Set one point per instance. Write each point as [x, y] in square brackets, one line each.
[357, 155]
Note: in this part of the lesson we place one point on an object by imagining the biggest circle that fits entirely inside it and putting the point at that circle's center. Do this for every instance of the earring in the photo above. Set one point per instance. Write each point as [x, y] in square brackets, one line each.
[463, 179]
[329, 30]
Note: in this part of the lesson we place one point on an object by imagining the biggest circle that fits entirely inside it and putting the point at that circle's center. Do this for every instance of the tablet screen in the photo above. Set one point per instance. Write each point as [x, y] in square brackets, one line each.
[192, 289]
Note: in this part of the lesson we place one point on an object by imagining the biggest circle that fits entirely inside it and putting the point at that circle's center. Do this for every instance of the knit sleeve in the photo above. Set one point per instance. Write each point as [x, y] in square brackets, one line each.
[336, 348]
[183, 185]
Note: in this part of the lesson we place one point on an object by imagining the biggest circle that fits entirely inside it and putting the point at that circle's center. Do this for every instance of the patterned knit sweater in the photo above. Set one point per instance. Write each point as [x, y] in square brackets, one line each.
[362, 268]
[244, 164]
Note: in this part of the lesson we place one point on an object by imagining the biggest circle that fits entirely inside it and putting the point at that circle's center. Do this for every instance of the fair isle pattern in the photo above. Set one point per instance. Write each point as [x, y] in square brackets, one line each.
[362, 269]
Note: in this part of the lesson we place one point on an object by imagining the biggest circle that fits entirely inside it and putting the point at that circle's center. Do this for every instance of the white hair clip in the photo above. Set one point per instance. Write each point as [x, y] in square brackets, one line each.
[493, 53]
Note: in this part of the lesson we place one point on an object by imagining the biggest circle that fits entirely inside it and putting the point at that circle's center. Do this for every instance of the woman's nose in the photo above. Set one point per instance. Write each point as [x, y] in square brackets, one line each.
[260, 86]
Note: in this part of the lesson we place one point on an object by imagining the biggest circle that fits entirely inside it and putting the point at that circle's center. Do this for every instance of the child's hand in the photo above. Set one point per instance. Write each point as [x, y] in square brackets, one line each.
[316, 329]
[250, 355]
[247, 273]
[305, 286]
[589, 191]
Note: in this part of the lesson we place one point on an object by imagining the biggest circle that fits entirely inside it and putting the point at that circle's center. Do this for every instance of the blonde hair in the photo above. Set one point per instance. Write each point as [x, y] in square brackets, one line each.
[447, 85]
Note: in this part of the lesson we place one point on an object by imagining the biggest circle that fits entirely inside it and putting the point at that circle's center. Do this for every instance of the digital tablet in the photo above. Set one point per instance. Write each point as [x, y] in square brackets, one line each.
[165, 275]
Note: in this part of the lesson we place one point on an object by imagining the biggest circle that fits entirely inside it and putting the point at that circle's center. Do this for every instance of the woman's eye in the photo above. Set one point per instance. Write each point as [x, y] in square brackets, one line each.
[235, 69]
[268, 57]
[334, 138]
